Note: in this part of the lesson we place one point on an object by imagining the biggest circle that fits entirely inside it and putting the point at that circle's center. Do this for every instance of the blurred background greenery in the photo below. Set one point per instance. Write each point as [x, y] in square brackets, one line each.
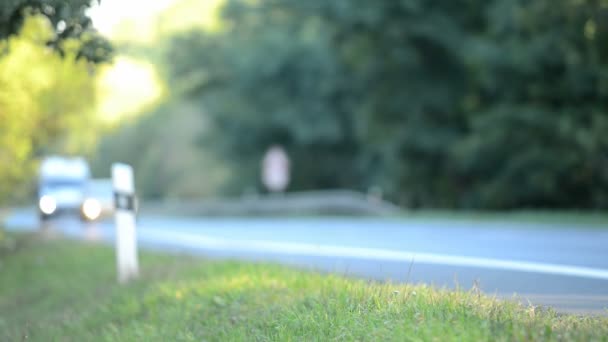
[493, 104]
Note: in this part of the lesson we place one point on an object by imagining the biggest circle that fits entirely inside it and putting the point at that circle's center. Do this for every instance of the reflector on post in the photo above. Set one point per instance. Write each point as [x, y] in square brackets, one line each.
[124, 202]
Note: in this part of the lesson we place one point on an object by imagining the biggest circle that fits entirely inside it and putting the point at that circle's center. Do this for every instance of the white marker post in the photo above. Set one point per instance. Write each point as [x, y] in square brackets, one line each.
[124, 203]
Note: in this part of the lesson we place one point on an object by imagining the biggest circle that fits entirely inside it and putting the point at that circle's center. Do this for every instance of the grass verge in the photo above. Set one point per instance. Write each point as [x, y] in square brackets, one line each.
[56, 290]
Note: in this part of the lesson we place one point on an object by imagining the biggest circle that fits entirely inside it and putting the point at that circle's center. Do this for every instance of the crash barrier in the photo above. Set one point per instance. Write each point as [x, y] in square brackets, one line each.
[336, 202]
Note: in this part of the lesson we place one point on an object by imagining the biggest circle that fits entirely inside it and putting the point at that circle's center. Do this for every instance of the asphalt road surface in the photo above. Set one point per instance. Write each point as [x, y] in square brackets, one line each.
[563, 267]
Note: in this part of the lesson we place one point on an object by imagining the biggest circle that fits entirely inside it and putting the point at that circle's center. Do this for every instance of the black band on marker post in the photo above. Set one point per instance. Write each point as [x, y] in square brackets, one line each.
[123, 201]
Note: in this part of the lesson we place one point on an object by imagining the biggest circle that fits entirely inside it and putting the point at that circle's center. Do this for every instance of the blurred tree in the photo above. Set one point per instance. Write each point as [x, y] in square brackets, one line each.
[353, 89]
[464, 103]
[44, 101]
[537, 133]
[160, 145]
[69, 20]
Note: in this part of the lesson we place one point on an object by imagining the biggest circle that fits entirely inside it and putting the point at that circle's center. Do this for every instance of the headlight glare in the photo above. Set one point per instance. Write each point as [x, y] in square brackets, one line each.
[91, 209]
[47, 204]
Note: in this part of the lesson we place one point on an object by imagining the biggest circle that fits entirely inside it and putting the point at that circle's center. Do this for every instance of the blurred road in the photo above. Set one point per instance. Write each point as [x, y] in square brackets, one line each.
[563, 267]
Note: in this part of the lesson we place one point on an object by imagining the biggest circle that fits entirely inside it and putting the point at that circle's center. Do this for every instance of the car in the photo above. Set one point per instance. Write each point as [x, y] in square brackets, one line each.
[62, 182]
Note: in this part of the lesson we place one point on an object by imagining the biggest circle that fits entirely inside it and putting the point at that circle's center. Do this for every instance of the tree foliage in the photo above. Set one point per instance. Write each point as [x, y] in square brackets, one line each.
[537, 126]
[463, 103]
[161, 147]
[44, 101]
[68, 19]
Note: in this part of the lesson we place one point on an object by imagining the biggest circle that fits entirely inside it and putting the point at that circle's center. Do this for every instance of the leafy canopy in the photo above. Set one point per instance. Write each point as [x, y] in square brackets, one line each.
[464, 103]
[45, 99]
[67, 18]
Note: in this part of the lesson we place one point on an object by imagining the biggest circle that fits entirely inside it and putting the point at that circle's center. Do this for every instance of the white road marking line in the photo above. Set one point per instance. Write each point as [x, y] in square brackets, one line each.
[303, 249]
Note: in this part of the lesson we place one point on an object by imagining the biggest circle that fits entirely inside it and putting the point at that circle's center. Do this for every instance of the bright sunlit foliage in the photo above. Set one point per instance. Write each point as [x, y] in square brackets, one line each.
[46, 100]
[125, 87]
[184, 15]
[145, 21]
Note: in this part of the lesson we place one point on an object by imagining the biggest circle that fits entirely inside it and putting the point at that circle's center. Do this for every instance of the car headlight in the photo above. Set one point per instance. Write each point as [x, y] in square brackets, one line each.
[47, 204]
[91, 208]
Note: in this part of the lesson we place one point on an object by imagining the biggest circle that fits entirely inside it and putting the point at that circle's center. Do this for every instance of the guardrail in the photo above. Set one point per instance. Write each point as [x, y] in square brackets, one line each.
[337, 202]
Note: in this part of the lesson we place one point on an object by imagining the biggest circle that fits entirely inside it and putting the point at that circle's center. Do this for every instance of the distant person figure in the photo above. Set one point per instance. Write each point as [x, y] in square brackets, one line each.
[275, 169]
